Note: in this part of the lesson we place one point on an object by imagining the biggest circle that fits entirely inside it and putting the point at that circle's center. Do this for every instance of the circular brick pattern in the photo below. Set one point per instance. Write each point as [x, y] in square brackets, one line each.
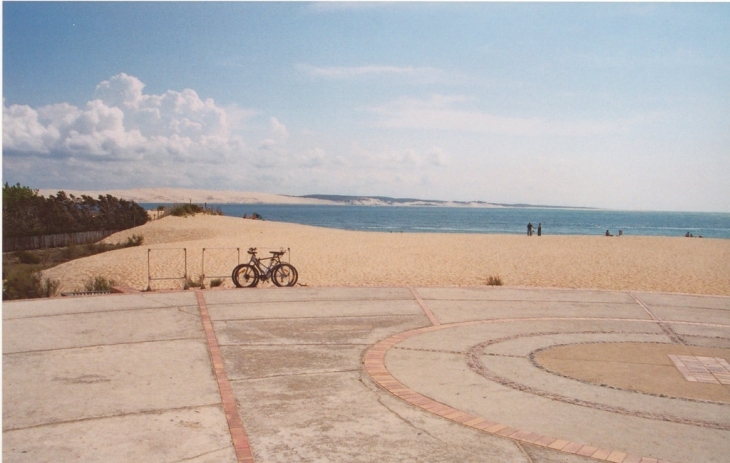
[374, 363]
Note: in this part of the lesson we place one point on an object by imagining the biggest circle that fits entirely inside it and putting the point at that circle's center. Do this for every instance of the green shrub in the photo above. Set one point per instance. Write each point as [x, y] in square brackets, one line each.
[91, 248]
[26, 282]
[184, 210]
[69, 253]
[49, 288]
[199, 283]
[98, 283]
[134, 240]
[494, 281]
[27, 257]
[215, 283]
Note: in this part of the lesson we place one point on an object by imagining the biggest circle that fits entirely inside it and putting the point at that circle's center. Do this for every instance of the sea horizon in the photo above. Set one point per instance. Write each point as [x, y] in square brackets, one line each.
[485, 220]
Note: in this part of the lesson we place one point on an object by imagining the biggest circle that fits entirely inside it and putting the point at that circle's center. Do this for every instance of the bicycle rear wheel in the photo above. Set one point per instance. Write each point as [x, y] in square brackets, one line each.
[284, 275]
[245, 276]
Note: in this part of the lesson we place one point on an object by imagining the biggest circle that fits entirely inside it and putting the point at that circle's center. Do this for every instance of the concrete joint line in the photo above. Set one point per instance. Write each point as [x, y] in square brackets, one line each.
[93, 346]
[367, 382]
[156, 411]
[239, 438]
[673, 336]
[524, 452]
[64, 314]
[201, 455]
[426, 310]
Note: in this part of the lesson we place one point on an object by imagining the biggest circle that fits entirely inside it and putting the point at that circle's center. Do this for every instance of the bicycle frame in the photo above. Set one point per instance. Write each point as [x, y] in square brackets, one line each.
[256, 269]
[258, 262]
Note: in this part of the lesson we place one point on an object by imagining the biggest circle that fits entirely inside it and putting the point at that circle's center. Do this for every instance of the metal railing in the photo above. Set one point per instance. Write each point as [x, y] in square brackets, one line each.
[216, 257]
[216, 263]
[183, 277]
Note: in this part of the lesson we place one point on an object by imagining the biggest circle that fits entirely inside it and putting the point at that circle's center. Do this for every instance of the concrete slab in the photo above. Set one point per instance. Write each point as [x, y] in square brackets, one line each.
[191, 434]
[339, 417]
[687, 301]
[47, 387]
[455, 311]
[694, 314]
[358, 374]
[495, 293]
[95, 304]
[103, 328]
[305, 309]
[364, 330]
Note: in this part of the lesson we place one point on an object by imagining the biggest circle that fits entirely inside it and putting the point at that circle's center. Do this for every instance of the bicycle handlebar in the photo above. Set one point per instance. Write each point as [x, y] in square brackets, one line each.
[253, 252]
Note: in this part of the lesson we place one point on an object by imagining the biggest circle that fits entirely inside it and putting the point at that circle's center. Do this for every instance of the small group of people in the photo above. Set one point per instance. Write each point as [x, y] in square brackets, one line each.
[530, 229]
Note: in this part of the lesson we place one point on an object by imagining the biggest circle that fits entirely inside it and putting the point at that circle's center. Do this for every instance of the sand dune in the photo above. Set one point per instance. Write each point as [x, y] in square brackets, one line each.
[326, 257]
[181, 195]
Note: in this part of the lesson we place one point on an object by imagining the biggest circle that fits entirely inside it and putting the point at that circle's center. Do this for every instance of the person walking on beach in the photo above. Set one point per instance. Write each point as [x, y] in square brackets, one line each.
[539, 229]
[529, 228]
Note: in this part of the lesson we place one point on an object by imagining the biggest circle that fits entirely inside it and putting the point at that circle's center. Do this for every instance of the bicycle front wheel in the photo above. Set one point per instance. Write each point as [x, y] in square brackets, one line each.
[284, 275]
[245, 276]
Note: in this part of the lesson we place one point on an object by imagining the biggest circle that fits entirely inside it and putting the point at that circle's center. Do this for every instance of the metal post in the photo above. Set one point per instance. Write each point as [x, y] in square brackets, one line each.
[185, 254]
[202, 267]
[149, 277]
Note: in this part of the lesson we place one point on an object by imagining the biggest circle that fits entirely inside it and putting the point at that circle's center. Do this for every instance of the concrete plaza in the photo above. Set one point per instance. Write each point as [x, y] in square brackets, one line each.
[398, 374]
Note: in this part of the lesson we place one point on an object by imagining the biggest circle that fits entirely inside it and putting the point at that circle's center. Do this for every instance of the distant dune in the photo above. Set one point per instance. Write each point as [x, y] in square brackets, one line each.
[182, 195]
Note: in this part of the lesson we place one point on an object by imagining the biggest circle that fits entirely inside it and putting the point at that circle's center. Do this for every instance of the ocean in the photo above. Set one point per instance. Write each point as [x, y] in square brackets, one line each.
[430, 219]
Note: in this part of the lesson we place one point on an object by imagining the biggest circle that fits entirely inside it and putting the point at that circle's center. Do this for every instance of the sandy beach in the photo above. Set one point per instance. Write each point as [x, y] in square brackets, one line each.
[329, 257]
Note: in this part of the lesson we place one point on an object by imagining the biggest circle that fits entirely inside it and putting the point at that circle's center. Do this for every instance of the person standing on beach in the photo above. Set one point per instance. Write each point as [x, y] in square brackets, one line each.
[539, 229]
[529, 228]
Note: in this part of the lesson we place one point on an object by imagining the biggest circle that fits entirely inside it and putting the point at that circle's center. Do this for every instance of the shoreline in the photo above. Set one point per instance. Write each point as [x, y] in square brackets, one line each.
[328, 257]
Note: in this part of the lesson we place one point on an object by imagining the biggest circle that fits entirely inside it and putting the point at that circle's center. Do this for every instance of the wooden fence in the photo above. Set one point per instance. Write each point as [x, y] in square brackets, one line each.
[53, 241]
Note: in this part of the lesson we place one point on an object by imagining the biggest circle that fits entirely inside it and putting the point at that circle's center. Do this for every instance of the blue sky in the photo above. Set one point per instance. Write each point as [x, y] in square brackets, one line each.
[613, 105]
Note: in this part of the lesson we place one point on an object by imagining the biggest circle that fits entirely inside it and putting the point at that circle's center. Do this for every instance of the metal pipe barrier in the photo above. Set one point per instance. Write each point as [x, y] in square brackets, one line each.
[184, 277]
[216, 263]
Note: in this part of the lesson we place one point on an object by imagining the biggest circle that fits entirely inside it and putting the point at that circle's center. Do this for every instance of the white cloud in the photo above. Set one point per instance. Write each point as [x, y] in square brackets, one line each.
[278, 130]
[122, 122]
[442, 112]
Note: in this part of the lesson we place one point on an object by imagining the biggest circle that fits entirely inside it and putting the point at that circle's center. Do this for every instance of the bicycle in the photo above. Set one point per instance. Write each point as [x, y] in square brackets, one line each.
[249, 274]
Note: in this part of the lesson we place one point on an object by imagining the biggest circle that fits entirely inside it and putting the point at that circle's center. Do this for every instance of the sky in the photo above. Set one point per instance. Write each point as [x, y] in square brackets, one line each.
[609, 105]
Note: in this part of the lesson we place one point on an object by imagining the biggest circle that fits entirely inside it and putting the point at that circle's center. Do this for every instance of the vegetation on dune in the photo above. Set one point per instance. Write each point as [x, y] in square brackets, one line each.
[494, 281]
[98, 283]
[22, 270]
[27, 214]
[184, 210]
[24, 281]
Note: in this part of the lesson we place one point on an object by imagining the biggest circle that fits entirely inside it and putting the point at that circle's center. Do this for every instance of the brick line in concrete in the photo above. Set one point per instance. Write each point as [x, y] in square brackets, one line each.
[424, 307]
[235, 425]
[374, 363]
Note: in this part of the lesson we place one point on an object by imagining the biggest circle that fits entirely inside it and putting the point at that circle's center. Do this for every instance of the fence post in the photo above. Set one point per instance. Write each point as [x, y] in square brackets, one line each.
[185, 253]
[202, 270]
[149, 278]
